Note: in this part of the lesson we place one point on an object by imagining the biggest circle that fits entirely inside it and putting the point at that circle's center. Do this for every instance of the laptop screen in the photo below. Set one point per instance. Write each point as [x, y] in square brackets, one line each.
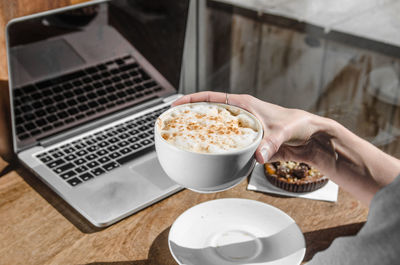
[74, 65]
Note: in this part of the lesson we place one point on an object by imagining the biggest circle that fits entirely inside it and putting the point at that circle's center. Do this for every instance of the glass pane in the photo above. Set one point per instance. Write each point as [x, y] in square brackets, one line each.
[350, 79]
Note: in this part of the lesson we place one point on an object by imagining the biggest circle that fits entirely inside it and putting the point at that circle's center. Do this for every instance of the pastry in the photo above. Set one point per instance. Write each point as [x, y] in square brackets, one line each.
[294, 176]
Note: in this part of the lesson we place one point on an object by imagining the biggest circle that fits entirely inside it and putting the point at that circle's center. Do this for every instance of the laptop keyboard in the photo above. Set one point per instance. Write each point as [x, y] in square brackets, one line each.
[101, 152]
[54, 103]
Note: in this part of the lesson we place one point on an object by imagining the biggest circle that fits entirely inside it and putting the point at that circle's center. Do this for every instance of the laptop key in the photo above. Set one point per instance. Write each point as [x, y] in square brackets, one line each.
[83, 107]
[112, 148]
[157, 89]
[144, 75]
[98, 171]
[68, 150]
[47, 128]
[103, 144]
[73, 111]
[110, 105]
[88, 88]
[149, 84]
[58, 124]
[17, 92]
[74, 182]
[100, 109]
[123, 136]
[119, 61]
[121, 129]
[58, 97]
[80, 116]
[79, 145]
[44, 84]
[105, 74]
[68, 174]
[133, 132]
[113, 140]
[51, 118]
[35, 132]
[81, 169]
[77, 83]
[104, 159]
[29, 116]
[30, 126]
[101, 67]
[136, 146]
[57, 154]
[91, 157]
[115, 155]
[79, 161]
[92, 70]
[69, 120]
[23, 136]
[125, 150]
[146, 142]
[133, 139]
[101, 152]
[45, 159]
[64, 168]
[69, 94]
[82, 152]
[123, 143]
[92, 164]
[72, 102]
[143, 135]
[97, 84]
[20, 129]
[70, 157]
[130, 157]
[96, 77]
[110, 166]
[93, 104]
[62, 114]
[92, 148]
[55, 163]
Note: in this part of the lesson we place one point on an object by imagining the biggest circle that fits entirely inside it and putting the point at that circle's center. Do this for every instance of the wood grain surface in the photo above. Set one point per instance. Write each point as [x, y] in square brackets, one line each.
[38, 227]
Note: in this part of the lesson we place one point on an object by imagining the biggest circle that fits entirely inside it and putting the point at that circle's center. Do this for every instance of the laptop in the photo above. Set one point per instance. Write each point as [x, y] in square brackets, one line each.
[87, 83]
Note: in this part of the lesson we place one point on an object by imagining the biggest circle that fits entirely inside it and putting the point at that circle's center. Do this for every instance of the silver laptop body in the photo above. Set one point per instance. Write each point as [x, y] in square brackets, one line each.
[84, 100]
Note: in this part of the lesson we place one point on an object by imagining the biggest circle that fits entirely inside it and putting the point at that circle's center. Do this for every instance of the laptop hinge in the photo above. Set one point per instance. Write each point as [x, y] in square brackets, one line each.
[48, 141]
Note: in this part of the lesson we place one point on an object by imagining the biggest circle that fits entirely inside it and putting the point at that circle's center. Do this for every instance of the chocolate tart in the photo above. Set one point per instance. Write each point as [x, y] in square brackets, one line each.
[294, 176]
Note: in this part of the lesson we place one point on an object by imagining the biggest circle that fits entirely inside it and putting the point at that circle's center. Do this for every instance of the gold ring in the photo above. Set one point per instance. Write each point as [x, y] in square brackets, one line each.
[226, 99]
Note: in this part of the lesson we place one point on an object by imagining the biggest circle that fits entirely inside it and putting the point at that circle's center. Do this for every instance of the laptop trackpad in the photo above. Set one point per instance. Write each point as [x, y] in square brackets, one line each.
[151, 170]
[125, 189]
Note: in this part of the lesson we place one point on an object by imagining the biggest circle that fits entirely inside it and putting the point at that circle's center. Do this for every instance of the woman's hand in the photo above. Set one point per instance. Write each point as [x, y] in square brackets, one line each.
[290, 134]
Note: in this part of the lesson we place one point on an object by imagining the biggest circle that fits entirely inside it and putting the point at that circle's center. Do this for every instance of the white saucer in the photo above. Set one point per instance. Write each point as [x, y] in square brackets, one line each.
[236, 231]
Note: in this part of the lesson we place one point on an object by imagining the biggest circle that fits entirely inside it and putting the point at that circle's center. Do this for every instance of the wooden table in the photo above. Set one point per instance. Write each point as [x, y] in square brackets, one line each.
[38, 227]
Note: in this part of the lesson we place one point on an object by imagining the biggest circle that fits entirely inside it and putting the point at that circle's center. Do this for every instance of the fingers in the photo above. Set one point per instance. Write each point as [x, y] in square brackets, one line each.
[300, 153]
[205, 96]
[266, 150]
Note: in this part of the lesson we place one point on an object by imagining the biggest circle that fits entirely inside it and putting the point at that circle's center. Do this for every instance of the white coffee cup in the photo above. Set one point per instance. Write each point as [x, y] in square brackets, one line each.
[206, 172]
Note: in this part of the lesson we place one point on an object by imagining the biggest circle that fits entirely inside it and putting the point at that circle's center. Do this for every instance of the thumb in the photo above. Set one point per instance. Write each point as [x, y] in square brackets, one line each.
[265, 150]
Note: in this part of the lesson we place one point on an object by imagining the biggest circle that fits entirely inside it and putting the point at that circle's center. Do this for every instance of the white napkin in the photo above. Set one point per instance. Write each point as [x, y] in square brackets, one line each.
[259, 182]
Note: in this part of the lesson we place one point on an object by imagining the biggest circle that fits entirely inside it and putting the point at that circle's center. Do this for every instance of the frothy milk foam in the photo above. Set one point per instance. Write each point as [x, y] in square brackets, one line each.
[208, 128]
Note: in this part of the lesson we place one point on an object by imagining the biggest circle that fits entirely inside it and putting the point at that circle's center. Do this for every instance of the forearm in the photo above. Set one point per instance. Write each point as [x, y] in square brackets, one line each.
[356, 165]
